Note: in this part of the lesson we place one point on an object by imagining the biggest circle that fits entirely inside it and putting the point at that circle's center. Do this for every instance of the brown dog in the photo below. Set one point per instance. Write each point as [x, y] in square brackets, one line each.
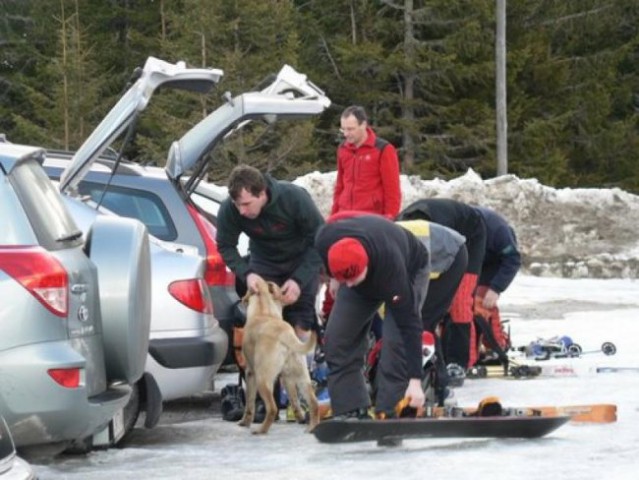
[271, 348]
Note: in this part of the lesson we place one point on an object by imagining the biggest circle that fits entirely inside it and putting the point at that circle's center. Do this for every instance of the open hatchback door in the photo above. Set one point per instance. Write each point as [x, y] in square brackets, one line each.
[290, 94]
[156, 73]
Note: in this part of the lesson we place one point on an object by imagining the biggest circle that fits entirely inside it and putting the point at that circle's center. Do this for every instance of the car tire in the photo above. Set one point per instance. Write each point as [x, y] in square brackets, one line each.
[119, 247]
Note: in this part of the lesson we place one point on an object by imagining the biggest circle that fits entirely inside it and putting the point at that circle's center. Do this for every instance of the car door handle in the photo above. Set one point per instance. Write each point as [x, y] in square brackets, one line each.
[79, 288]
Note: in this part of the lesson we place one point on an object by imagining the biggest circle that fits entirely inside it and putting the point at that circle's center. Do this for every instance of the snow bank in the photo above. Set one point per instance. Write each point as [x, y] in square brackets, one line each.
[573, 233]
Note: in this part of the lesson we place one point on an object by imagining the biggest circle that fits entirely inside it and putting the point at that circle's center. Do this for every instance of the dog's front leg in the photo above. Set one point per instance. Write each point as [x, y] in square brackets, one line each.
[251, 393]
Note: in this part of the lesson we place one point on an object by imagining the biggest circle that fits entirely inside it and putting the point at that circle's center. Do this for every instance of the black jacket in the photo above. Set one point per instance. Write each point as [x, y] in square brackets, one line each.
[460, 217]
[283, 232]
[502, 259]
[395, 255]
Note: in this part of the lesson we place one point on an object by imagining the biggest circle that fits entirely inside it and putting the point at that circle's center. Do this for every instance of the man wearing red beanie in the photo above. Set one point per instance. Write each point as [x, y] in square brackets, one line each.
[374, 262]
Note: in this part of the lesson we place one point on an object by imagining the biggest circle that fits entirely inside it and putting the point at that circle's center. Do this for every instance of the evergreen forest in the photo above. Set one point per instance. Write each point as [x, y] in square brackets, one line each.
[423, 69]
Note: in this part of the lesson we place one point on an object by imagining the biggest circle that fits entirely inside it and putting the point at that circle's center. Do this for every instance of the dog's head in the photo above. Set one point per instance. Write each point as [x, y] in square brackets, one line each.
[266, 300]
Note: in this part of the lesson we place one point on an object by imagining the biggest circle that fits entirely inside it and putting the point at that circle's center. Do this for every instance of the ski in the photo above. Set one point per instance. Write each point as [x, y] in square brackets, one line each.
[527, 371]
[561, 347]
[616, 369]
[593, 413]
[498, 371]
[588, 413]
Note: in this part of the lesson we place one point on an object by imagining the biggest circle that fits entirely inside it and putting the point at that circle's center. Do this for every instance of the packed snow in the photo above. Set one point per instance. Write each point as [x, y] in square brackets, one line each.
[565, 235]
[576, 233]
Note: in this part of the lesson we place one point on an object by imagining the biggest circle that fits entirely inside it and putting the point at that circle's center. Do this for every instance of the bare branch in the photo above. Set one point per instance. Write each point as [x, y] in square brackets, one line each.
[567, 18]
[330, 57]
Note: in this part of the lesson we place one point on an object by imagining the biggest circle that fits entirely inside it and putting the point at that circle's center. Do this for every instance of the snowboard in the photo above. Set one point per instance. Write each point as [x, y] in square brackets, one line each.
[392, 431]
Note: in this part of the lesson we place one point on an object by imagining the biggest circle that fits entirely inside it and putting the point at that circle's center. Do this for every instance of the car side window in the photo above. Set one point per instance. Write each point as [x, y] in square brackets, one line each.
[128, 202]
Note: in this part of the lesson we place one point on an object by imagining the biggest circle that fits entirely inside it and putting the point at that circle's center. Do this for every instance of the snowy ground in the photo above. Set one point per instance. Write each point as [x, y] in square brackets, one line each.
[194, 442]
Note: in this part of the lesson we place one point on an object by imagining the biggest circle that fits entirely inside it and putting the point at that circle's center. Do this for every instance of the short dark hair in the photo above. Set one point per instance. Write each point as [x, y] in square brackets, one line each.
[246, 177]
[357, 111]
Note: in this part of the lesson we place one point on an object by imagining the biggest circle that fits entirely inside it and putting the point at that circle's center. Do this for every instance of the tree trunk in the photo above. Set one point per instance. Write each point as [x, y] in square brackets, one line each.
[408, 113]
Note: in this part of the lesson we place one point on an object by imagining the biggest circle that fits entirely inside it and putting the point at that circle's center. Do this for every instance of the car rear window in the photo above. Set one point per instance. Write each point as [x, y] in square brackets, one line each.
[129, 202]
[43, 206]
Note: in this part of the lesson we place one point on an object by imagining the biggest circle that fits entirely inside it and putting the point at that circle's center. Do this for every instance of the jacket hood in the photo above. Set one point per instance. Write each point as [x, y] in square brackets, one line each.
[415, 211]
[273, 190]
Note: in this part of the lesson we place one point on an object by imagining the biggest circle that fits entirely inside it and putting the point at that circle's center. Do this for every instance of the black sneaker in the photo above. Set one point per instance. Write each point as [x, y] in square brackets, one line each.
[232, 403]
[260, 411]
[456, 375]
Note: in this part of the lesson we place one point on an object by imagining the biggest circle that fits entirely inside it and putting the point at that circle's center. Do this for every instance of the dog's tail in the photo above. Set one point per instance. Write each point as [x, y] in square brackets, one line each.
[298, 346]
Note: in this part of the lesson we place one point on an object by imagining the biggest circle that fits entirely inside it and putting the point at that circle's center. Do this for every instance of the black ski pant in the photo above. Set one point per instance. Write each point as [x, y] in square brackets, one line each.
[346, 345]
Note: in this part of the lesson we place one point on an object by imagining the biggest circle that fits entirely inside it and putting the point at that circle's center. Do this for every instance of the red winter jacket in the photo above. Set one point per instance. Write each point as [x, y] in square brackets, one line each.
[368, 178]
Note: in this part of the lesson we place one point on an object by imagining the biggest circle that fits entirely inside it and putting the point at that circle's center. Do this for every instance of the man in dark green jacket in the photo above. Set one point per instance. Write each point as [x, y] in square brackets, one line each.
[281, 221]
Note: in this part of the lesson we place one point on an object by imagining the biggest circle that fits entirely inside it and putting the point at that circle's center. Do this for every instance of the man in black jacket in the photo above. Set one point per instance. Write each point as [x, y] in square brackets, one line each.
[373, 261]
[502, 261]
[459, 337]
[281, 221]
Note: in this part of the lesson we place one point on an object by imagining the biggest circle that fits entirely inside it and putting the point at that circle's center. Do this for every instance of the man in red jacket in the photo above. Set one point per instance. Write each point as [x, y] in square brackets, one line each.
[367, 178]
[367, 169]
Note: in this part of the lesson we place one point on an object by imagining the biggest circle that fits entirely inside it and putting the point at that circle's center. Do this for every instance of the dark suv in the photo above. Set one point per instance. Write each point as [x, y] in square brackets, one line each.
[162, 198]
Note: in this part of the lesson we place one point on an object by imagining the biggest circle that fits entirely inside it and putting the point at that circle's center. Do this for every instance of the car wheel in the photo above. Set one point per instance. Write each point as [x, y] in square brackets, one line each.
[80, 447]
[120, 249]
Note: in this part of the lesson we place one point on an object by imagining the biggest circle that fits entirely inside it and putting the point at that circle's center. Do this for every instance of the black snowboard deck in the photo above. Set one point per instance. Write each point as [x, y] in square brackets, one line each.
[393, 430]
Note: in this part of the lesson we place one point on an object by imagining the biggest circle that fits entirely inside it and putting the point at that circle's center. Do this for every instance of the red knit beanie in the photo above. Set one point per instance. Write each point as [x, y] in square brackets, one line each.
[347, 259]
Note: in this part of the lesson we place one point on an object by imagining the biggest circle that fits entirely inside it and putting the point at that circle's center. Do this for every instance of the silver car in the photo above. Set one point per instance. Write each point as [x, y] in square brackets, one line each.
[12, 467]
[169, 206]
[187, 345]
[75, 314]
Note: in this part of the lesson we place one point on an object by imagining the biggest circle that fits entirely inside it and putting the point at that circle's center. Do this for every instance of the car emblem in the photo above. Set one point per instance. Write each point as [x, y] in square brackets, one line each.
[83, 313]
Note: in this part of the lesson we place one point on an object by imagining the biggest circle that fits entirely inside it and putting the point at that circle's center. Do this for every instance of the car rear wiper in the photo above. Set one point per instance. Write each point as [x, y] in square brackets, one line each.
[72, 236]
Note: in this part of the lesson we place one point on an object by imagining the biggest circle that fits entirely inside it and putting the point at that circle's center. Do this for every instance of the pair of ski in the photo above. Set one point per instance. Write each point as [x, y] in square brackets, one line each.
[498, 371]
[528, 422]
[525, 371]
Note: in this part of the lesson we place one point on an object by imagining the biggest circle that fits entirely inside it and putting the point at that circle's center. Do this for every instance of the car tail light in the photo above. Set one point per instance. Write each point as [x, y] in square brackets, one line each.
[67, 377]
[193, 294]
[216, 273]
[40, 273]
